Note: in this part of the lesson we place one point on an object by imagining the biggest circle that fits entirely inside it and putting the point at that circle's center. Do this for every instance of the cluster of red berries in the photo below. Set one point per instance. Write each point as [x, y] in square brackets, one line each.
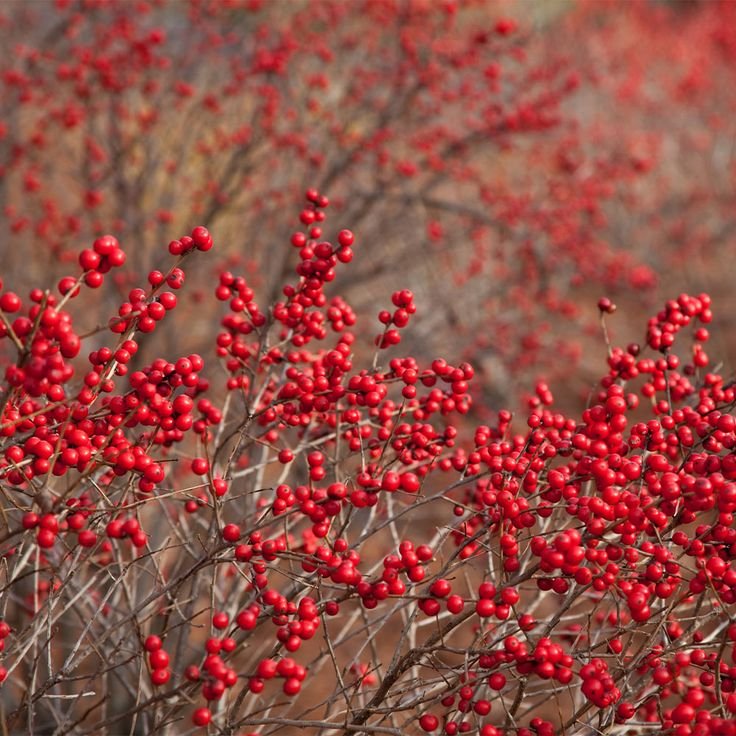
[214, 676]
[289, 670]
[301, 315]
[96, 261]
[662, 329]
[129, 528]
[599, 686]
[200, 239]
[405, 307]
[46, 335]
[158, 660]
[245, 317]
[5, 631]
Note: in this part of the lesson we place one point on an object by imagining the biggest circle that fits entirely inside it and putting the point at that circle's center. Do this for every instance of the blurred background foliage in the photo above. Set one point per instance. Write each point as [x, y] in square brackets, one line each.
[510, 162]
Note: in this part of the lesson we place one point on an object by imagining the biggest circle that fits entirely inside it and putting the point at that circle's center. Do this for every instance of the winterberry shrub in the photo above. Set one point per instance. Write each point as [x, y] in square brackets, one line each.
[296, 542]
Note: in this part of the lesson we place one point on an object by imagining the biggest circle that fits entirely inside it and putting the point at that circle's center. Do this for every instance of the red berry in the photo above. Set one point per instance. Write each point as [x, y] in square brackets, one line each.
[160, 676]
[345, 238]
[292, 686]
[200, 466]
[152, 643]
[202, 238]
[231, 532]
[201, 717]
[220, 620]
[10, 302]
[440, 588]
[45, 538]
[285, 456]
[158, 659]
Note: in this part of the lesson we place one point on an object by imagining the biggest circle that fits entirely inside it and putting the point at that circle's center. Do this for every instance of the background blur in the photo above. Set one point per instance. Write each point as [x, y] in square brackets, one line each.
[510, 162]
